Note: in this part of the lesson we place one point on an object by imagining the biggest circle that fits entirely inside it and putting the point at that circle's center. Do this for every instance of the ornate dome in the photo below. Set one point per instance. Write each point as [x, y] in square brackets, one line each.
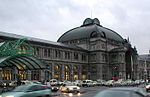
[90, 28]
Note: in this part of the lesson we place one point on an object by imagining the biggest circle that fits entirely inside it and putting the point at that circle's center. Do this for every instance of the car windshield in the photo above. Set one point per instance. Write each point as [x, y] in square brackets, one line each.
[20, 88]
[112, 93]
[148, 83]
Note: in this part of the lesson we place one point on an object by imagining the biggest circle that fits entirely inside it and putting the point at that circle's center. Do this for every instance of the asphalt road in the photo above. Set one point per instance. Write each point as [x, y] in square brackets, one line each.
[84, 92]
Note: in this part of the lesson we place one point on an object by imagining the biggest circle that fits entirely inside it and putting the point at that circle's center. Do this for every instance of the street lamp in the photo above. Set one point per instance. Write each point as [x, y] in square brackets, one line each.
[145, 70]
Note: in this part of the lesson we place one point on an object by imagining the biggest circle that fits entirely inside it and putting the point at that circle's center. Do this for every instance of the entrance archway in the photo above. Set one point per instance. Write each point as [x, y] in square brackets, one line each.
[23, 63]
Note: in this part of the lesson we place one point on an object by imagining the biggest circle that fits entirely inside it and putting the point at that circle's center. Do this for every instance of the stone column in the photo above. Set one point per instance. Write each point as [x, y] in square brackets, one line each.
[53, 65]
[42, 75]
[0, 73]
[62, 73]
[50, 71]
[28, 75]
[16, 73]
[72, 73]
[80, 72]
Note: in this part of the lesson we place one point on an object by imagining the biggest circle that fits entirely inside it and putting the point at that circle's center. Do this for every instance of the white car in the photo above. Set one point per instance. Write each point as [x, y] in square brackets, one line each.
[78, 83]
[69, 88]
[87, 83]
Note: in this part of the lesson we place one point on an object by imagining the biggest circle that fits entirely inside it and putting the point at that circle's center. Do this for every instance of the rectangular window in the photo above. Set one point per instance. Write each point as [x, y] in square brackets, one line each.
[67, 55]
[76, 56]
[37, 51]
[45, 52]
[49, 53]
[58, 54]
[83, 57]
[103, 57]
[93, 57]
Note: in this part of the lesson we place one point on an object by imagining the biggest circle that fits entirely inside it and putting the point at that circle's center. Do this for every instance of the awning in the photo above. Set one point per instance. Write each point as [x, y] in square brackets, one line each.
[22, 62]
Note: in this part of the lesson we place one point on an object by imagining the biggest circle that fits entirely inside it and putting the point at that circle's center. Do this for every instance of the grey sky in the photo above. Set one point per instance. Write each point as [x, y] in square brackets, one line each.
[49, 19]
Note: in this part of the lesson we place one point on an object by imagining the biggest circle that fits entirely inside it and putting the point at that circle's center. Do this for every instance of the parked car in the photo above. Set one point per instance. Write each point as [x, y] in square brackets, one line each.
[123, 92]
[69, 88]
[148, 87]
[87, 83]
[78, 83]
[109, 83]
[28, 91]
[1, 84]
[13, 84]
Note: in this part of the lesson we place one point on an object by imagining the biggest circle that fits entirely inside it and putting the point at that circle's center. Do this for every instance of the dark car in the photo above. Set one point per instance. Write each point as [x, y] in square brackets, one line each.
[28, 91]
[123, 92]
[54, 88]
[1, 84]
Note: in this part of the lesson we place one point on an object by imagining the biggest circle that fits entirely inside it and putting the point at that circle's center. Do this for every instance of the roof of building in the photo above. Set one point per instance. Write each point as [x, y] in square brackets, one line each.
[145, 57]
[15, 36]
[90, 27]
[119, 49]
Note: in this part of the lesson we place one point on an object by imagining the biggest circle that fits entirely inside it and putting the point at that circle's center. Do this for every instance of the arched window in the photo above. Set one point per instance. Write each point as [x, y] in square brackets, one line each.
[93, 34]
[66, 68]
[56, 67]
[75, 68]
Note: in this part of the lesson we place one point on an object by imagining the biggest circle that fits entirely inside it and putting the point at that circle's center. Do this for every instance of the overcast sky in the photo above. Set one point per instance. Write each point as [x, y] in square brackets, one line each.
[49, 19]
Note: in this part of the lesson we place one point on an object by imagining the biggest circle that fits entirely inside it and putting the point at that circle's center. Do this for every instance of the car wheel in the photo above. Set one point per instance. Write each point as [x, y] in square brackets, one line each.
[48, 96]
[68, 90]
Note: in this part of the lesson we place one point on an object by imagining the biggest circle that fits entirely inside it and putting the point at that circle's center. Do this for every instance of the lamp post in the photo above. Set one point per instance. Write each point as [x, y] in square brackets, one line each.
[145, 70]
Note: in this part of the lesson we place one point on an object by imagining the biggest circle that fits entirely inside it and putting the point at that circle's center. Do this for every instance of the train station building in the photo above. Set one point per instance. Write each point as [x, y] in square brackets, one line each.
[89, 51]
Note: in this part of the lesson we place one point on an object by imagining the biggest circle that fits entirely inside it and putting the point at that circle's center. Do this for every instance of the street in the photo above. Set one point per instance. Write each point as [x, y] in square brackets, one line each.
[84, 92]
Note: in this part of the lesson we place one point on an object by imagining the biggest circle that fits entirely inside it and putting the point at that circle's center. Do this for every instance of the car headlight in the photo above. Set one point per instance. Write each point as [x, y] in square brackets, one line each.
[78, 88]
[147, 86]
[70, 88]
[10, 96]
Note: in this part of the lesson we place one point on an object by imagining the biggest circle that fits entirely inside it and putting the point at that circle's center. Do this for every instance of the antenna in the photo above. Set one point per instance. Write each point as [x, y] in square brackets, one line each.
[91, 13]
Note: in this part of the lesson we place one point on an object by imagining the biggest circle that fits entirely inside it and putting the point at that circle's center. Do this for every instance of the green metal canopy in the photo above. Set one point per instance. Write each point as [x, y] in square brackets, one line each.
[19, 53]
[22, 62]
[10, 48]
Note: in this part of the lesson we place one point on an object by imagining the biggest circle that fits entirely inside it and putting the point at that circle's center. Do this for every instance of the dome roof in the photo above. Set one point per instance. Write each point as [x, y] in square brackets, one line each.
[90, 28]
